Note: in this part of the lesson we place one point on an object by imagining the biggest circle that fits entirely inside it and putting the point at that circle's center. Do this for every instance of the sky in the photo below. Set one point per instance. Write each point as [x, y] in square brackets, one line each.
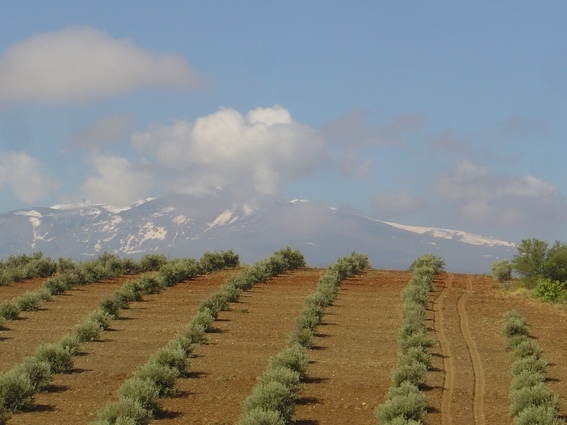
[442, 113]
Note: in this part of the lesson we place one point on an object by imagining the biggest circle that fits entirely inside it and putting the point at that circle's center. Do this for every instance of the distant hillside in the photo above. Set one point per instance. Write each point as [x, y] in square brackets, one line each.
[187, 226]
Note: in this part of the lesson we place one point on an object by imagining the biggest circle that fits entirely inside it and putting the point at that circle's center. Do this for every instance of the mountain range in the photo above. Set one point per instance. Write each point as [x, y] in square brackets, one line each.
[187, 226]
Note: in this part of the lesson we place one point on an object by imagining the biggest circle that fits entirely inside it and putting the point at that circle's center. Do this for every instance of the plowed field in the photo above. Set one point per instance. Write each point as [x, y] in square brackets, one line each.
[349, 374]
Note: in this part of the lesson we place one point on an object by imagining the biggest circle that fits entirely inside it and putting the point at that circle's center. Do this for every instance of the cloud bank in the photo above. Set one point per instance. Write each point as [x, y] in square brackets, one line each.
[243, 156]
[485, 198]
[26, 177]
[80, 63]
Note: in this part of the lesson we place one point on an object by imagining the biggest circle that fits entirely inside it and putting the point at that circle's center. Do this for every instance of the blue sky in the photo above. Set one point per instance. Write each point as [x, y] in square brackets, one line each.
[446, 114]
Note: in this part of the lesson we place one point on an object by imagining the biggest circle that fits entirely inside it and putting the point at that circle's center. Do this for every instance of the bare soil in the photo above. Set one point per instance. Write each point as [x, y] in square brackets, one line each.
[351, 364]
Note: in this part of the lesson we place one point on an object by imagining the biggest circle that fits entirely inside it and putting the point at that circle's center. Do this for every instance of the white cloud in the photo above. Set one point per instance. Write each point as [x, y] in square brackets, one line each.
[106, 130]
[399, 203]
[25, 176]
[485, 198]
[79, 63]
[247, 156]
[118, 182]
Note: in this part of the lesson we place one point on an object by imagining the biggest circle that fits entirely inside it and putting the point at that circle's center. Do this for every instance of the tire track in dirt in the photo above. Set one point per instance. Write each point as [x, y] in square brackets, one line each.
[448, 367]
[478, 400]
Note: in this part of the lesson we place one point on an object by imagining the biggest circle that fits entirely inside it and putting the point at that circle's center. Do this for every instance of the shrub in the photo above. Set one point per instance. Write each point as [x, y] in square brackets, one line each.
[284, 375]
[537, 395]
[56, 356]
[143, 391]
[428, 260]
[303, 337]
[410, 406]
[502, 270]
[163, 377]
[172, 356]
[526, 348]
[125, 412]
[71, 344]
[30, 301]
[411, 371]
[538, 415]
[16, 391]
[88, 329]
[294, 357]
[418, 354]
[151, 262]
[204, 317]
[38, 373]
[514, 324]
[272, 396]
[9, 310]
[195, 333]
[530, 364]
[110, 306]
[261, 416]
[527, 379]
[549, 290]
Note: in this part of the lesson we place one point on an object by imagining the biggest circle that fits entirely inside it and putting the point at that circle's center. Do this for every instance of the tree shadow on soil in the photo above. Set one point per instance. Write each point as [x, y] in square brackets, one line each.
[168, 415]
[41, 408]
[194, 375]
[313, 380]
[305, 401]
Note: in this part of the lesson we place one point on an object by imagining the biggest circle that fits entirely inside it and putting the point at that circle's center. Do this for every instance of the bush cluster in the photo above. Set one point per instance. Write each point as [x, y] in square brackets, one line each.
[502, 270]
[20, 267]
[139, 396]
[405, 402]
[273, 398]
[533, 402]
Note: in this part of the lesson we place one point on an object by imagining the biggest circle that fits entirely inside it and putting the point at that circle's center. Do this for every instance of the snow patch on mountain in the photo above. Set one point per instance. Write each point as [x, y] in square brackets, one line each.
[450, 234]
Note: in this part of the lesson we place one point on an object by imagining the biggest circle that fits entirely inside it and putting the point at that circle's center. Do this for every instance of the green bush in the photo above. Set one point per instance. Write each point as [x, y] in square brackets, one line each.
[530, 364]
[56, 356]
[143, 391]
[261, 416]
[514, 324]
[537, 395]
[294, 357]
[527, 348]
[38, 373]
[527, 379]
[284, 375]
[9, 310]
[429, 261]
[550, 290]
[195, 333]
[71, 344]
[16, 391]
[30, 301]
[163, 377]
[414, 372]
[538, 415]
[88, 330]
[125, 412]
[502, 270]
[272, 396]
[409, 406]
[171, 356]
[151, 262]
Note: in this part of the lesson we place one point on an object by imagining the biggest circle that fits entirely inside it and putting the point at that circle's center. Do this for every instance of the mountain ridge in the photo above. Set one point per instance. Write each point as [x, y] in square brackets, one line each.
[183, 225]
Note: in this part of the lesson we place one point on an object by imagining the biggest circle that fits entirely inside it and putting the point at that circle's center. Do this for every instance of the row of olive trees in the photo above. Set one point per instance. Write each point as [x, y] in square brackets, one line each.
[20, 267]
[532, 400]
[139, 395]
[405, 402]
[273, 398]
[19, 385]
[71, 274]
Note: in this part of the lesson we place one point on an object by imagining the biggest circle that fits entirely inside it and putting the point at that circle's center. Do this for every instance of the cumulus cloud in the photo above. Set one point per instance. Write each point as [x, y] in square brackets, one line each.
[354, 129]
[118, 182]
[486, 198]
[106, 130]
[26, 177]
[80, 63]
[244, 155]
[396, 204]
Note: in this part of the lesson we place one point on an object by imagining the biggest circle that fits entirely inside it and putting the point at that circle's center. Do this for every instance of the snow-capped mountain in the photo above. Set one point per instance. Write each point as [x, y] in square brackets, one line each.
[185, 226]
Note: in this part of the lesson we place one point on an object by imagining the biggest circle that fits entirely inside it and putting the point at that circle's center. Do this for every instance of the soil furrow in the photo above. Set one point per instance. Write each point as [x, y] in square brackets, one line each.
[478, 400]
[225, 369]
[105, 364]
[14, 289]
[448, 368]
[355, 351]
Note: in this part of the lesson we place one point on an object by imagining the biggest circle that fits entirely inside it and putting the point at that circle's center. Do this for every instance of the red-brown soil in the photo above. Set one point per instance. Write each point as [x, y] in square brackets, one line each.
[355, 349]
